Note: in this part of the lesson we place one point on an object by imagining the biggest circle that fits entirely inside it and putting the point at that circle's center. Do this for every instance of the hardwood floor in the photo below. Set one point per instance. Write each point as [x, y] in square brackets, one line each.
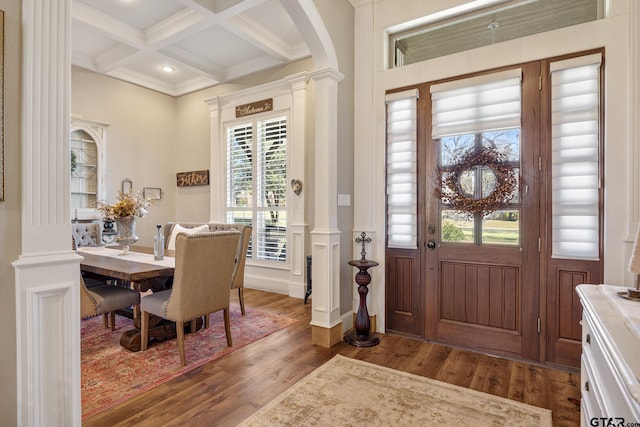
[229, 389]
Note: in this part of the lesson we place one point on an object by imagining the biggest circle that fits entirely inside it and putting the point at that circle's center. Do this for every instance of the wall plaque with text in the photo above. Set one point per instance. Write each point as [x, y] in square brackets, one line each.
[189, 179]
[254, 107]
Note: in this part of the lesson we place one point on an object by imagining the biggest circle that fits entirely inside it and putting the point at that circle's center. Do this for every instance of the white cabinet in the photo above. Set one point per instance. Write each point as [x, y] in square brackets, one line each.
[610, 357]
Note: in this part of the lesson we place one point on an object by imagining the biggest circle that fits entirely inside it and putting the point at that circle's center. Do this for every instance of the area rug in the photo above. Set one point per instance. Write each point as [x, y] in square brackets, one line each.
[349, 392]
[112, 374]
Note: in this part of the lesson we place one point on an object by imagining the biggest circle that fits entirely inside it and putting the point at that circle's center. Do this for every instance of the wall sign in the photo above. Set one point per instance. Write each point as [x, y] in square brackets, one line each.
[189, 179]
[254, 107]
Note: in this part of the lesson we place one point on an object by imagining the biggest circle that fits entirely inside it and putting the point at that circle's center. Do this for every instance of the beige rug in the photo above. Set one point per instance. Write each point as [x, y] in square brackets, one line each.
[349, 392]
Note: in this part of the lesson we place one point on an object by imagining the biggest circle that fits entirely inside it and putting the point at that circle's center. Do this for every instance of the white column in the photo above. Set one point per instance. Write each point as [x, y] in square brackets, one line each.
[325, 237]
[218, 167]
[47, 272]
[297, 227]
[366, 173]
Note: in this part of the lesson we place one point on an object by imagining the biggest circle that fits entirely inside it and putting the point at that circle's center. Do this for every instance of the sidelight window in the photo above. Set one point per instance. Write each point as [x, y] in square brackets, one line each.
[575, 119]
[402, 188]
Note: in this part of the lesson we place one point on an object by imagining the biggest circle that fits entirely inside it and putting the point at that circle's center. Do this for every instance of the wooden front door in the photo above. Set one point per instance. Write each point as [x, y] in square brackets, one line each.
[482, 285]
[491, 277]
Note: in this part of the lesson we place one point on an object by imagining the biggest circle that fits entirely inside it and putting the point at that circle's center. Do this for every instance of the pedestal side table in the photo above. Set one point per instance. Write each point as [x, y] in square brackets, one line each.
[361, 336]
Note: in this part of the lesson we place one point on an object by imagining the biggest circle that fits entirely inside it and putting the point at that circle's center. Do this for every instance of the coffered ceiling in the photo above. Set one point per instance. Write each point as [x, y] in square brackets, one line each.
[205, 42]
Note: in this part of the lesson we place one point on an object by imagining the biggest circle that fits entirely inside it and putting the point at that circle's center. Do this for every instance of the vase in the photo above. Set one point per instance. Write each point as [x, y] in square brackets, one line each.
[126, 229]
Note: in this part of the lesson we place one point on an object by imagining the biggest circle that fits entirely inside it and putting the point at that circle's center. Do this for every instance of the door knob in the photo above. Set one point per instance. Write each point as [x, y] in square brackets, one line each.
[431, 245]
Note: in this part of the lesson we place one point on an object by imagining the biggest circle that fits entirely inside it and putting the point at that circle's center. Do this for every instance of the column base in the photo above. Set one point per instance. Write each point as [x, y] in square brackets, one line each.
[326, 337]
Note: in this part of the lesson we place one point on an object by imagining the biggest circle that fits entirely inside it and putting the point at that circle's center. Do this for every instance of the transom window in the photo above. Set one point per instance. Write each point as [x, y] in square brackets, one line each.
[459, 29]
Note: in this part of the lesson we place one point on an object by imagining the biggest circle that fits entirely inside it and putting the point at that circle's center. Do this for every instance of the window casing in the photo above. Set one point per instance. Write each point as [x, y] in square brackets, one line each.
[256, 184]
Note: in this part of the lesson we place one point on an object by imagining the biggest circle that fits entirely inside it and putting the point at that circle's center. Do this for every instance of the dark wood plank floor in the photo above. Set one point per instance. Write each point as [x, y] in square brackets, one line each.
[229, 389]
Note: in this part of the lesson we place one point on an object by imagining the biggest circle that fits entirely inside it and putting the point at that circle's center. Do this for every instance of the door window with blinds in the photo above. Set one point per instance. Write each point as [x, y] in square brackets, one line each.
[256, 184]
[478, 118]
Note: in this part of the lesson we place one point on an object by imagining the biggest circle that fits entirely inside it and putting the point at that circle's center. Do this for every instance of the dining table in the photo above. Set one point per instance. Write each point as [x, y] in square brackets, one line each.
[137, 269]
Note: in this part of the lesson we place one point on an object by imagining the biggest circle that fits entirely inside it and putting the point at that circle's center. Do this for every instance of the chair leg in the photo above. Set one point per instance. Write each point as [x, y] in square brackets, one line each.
[241, 298]
[112, 319]
[193, 326]
[227, 326]
[180, 336]
[144, 330]
[105, 320]
[206, 321]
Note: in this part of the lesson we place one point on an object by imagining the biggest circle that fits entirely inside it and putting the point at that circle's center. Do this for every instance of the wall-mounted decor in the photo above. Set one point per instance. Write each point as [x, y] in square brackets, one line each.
[254, 107]
[127, 185]
[296, 186]
[152, 193]
[189, 179]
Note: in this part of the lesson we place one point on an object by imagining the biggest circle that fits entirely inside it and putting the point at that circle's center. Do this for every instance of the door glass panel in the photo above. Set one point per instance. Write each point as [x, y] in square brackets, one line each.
[502, 228]
[478, 182]
[456, 227]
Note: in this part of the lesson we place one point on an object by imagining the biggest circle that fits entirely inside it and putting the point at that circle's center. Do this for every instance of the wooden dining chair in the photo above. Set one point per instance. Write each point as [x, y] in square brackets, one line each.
[203, 271]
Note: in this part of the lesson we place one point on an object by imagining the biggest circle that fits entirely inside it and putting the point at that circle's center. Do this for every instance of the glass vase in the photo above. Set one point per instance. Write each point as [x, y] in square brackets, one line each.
[126, 229]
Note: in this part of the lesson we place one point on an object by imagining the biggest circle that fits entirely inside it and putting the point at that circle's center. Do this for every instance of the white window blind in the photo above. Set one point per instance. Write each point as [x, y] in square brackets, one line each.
[575, 133]
[476, 104]
[256, 190]
[402, 188]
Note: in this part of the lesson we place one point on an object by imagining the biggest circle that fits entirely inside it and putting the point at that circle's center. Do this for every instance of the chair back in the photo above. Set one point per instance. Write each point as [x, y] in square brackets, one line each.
[88, 304]
[237, 281]
[87, 233]
[203, 271]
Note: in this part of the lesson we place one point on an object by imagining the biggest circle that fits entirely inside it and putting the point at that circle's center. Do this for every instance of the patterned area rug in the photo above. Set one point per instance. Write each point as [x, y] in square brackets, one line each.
[351, 392]
[112, 374]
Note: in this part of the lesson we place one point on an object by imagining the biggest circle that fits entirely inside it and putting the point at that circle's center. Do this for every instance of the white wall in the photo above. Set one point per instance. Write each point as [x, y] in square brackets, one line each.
[142, 139]
[10, 210]
[612, 33]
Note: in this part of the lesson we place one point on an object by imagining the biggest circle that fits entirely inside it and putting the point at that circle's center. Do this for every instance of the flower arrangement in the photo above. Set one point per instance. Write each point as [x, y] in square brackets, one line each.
[127, 204]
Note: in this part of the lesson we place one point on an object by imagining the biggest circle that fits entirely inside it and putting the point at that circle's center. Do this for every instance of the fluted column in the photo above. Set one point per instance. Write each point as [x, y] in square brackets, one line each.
[47, 271]
[325, 237]
[217, 207]
[366, 176]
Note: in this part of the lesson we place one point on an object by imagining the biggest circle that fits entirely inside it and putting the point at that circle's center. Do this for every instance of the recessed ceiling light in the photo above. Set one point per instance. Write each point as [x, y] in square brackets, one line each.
[167, 69]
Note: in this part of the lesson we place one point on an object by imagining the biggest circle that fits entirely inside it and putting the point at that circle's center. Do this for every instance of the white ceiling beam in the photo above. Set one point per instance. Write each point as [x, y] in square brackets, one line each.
[260, 37]
[113, 28]
[194, 63]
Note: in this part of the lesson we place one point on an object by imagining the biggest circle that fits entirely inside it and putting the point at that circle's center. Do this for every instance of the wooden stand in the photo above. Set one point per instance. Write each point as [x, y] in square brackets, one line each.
[361, 337]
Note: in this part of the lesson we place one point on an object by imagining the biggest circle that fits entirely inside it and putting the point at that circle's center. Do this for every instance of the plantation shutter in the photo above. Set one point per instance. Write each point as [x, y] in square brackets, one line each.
[476, 104]
[271, 188]
[239, 166]
[402, 188]
[575, 120]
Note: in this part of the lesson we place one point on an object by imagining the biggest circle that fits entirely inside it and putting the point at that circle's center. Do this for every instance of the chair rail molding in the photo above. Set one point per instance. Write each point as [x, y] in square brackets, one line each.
[47, 276]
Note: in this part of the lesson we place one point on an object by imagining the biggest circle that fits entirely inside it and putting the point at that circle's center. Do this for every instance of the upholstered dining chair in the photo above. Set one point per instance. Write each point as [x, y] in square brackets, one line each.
[203, 270]
[237, 281]
[102, 298]
[105, 300]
